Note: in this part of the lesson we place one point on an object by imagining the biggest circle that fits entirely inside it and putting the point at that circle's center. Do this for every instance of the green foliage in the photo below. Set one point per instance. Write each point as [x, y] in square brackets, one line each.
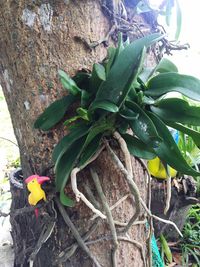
[165, 249]
[114, 97]
[54, 113]
[190, 243]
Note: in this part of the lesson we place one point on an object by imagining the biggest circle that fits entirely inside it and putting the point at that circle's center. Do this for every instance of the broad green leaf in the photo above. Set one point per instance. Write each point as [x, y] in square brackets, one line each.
[123, 125]
[76, 133]
[86, 98]
[68, 83]
[128, 114]
[133, 78]
[90, 150]
[145, 74]
[120, 46]
[132, 95]
[65, 200]
[98, 75]
[124, 71]
[101, 126]
[166, 248]
[110, 60]
[54, 113]
[105, 105]
[177, 110]
[165, 65]
[185, 129]
[67, 162]
[168, 151]
[82, 79]
[178, 20]
[143, 127]
[137, 148]
[174, 82]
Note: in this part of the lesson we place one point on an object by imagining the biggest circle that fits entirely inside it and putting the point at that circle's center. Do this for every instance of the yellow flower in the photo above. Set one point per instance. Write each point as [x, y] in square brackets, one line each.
[157, 169]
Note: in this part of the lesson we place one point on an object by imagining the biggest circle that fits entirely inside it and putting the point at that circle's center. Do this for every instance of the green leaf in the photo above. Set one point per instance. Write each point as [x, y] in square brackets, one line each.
[178, 20]
[54, 113]
[73, 119]
[65, 200]
[165, 65]
[166, 248]
[124, 71]
[143, 127]
[83, 113]
[145, 74]
[105, 105]
[86, 98]
[98, 75]
[174, 82]
[68, 83]
[128, 114]
[137, 148]
[90, 150]
[76, 133]
[168, 151]
[67, 162]
[185, 129]
[133, 78]
[177, 110]
[110, 60]
[120, 46]
[123, 125]
[101, 126]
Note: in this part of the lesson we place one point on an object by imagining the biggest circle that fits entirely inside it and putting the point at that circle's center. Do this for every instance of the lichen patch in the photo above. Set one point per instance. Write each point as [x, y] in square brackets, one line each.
[28, 17]
[45, 16]
[7, 80]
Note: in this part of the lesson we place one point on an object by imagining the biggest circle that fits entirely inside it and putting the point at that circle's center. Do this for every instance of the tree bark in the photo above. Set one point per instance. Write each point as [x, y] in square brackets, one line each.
[36, 39]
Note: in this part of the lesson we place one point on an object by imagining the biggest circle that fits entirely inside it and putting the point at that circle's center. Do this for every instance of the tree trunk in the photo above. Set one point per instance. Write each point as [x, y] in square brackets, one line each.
[36, 39]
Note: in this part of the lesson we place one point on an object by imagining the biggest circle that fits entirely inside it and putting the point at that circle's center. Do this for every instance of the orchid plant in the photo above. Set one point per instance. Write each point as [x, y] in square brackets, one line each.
[118, 95]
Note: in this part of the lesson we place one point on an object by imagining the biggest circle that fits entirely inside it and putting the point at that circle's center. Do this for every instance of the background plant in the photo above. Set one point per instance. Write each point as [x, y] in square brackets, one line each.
[190, 243]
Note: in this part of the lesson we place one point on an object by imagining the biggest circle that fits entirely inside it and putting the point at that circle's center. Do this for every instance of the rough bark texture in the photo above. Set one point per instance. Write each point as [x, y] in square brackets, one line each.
[36, 39]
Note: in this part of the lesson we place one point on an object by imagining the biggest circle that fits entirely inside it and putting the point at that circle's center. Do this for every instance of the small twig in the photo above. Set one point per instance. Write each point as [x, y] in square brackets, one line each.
[168, 195]
[126, 153]
[167, 222]
[108, 213]
[80, 195]
[44, 235]
[119, 201]
[91, 196]
[120, 238]
[26, 209]
[69, 251]
[91, 45]
[114, 206]
[158, 218]
[132, 186]
[149, 242]
[75, 233]
[6, 139]
[149, 180]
